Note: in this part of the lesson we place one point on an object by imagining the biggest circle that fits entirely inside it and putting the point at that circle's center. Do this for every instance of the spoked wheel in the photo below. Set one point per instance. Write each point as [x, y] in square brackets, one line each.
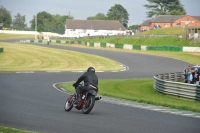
[69, 104]
[88, 105]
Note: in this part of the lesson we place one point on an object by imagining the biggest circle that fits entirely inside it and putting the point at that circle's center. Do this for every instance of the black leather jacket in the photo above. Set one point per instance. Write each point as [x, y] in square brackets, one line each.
[89, 78]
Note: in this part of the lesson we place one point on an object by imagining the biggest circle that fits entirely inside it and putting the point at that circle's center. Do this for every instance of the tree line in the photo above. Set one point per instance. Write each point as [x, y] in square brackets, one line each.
[47, 22]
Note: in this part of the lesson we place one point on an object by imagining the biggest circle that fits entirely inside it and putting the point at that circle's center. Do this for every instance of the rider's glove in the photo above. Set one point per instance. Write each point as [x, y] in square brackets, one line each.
[75, 85]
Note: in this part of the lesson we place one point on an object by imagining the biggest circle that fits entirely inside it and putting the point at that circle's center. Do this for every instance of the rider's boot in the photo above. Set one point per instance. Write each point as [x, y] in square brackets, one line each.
[79, 97]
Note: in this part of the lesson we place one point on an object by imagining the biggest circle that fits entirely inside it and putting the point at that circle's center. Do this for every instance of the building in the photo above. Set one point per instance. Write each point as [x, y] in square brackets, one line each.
[165, 21]
[81, 28]
[145, 26]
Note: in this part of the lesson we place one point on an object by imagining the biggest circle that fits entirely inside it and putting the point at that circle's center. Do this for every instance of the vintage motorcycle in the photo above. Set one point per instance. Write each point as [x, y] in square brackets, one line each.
[86, 104]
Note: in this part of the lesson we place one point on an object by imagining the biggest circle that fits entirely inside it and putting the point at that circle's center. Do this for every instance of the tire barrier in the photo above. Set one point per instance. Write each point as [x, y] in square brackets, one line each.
[167, 84]
[120, 46]
[1, 50]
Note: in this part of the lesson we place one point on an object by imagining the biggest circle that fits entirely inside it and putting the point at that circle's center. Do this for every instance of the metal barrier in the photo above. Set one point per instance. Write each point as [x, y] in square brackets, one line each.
[166, 83]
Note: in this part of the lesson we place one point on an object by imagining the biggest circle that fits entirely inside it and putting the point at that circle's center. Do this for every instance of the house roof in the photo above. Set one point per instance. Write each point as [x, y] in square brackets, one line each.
[167, 18]
[196, 17]
[146, 23]
[94, 24]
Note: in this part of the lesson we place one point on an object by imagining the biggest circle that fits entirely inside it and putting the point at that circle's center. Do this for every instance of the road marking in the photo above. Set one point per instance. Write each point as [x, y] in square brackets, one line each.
[53, 71]
[100, 71]
[188, 114]
[77, 71]
[25, 72]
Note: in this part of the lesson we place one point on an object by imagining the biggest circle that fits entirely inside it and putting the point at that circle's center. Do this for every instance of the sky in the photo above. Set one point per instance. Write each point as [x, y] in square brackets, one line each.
[82, 9]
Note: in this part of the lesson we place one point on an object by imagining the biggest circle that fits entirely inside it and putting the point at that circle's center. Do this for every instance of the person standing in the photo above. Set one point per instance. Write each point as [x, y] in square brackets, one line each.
[48, 40]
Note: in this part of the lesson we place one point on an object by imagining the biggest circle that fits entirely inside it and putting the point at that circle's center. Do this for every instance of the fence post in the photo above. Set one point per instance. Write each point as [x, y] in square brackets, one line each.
[175, 77]
[169, 78]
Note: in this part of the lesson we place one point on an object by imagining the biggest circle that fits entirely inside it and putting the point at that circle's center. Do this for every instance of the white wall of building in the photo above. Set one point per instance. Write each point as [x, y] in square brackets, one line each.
[91, 32]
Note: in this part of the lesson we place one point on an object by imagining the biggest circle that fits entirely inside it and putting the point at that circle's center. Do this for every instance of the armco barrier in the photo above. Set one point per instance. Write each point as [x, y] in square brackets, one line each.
[91, 44]
[103, 45]
[165, 83]
[119, 46]
[63, 41]
[137, 47]
[1, 50]
[122, 46]
[97, 44]
[79, 42]
[58, 41]
[71, 42]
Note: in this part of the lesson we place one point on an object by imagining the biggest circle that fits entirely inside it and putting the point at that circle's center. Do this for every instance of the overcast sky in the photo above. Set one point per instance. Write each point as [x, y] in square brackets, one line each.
[81, 9]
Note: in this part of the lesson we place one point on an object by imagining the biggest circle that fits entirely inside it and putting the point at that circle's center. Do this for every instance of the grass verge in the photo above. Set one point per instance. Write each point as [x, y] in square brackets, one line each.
[171, 30]
[23, 57]
[4, 36]
[12, 130]
[189, 57]
[163, 41]
[140, 90]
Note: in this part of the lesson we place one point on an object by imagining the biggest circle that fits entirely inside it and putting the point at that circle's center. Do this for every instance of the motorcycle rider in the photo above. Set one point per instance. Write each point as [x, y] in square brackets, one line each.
[90, 82]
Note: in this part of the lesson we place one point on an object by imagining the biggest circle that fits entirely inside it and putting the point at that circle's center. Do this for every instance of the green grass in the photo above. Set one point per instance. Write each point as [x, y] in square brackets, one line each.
[12, 130]
[4, 36]
[172, 30]
[23, 57]
[190, 57]
[140, 90]
[164, 41]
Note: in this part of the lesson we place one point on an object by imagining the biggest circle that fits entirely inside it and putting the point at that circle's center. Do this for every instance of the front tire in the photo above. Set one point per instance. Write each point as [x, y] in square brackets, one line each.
[68, 104]
[89, 104]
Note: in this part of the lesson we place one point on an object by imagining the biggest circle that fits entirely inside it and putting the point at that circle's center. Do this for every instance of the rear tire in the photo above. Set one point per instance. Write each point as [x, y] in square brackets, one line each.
[89, 104]
[68, 104]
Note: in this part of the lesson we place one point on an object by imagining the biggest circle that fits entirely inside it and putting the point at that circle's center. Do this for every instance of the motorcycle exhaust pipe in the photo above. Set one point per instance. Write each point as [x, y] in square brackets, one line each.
[97, 98]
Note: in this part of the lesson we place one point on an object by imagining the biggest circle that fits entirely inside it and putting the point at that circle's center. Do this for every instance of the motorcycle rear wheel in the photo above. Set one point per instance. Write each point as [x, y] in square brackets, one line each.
[68, 104]
[89, 104]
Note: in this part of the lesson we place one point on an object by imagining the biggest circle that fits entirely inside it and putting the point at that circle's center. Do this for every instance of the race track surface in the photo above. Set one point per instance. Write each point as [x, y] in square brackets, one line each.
[29, 101]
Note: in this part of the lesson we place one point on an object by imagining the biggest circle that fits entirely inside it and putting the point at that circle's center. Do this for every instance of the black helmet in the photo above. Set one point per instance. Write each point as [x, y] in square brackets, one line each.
[91, 69]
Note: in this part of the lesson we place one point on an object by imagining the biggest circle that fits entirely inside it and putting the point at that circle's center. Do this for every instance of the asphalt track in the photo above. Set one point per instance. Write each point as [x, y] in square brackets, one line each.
[29, 101]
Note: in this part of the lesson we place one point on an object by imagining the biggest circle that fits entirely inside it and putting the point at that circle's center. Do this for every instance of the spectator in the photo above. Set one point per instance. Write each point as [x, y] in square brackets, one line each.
[194, 74]
[48, 40]
[187, 77]
[198, 77]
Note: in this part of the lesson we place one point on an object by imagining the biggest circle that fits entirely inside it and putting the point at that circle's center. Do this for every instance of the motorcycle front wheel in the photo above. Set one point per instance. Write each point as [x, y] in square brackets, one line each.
[69, 104]
[89, 104]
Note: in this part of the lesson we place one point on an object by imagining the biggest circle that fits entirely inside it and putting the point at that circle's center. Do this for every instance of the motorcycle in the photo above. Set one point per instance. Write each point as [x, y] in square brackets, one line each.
[86, 104]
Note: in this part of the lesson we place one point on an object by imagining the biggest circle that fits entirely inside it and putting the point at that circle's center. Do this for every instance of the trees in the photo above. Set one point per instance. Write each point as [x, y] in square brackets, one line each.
[133, 27]
[59, 23]
[50, 23]
[99, 16]
[118, 12]
[5, 17]
[19, 22]
[44, 20]
[164, 7]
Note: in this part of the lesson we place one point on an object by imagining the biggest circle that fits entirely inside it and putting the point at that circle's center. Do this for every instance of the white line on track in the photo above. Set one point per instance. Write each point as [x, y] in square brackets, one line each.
[53, 71]
[26, 72]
